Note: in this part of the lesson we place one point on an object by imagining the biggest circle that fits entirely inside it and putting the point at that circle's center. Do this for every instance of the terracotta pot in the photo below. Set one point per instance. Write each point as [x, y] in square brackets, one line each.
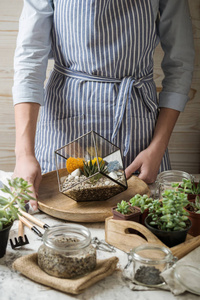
[169, 238]
[134, 216]
[4, 233]
[195, 219]
[143, 215]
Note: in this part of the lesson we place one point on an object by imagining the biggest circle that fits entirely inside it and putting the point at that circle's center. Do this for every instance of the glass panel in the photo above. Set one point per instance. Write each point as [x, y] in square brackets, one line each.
[90, 168]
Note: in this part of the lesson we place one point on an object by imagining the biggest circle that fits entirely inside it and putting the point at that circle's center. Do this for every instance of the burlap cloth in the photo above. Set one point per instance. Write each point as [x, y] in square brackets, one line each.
[28, 266]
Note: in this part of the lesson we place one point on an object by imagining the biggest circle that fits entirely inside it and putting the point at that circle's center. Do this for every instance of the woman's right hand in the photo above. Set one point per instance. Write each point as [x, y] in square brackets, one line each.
[28, 168]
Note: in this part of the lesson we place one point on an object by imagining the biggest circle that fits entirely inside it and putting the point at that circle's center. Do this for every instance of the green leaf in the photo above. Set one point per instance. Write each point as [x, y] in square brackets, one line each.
[3, 219]
[14, 212]
[4, 201]
[153, 223]
[5, 189]
[24, 196]
[2, 213]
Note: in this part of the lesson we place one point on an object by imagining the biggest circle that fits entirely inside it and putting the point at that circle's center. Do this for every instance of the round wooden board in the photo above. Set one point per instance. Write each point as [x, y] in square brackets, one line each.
[56, 204]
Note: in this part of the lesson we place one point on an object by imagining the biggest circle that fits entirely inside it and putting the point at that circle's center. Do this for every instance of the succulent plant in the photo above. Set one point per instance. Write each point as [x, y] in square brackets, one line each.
[123, 207]
[169, 214]
[141, 201]
[18, 193]
[189, 187]
[196, 205]
[91, 167]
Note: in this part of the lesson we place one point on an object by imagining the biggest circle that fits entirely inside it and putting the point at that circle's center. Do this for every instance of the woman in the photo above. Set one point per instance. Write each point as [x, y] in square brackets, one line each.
[102, 79]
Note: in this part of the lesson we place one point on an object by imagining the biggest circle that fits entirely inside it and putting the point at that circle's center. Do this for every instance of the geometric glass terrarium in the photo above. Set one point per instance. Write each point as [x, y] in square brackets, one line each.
[90, 169]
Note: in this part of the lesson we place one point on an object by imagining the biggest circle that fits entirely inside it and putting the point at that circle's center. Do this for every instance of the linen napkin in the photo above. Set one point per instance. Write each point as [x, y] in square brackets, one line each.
[193, 259]
[28, 266]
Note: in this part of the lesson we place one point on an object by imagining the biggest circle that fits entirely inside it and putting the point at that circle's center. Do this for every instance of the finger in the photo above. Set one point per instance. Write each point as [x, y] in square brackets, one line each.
[145, 176]
[34, 204]
[132, 168]
[35, 188]
[37, 184]
[32, 187]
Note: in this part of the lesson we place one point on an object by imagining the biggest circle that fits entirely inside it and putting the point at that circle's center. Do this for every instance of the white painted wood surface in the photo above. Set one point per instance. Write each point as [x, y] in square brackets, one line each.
[185, 141]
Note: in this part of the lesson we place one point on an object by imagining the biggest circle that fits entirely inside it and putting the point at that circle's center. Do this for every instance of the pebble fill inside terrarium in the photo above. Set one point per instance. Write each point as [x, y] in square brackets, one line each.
[90, 168]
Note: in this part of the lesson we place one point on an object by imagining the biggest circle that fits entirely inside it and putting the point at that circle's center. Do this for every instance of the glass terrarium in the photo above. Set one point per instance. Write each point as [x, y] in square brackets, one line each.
[90, 168]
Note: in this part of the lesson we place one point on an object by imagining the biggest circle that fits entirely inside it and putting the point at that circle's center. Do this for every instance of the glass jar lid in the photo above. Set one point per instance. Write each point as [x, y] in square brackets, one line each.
[189, 277]
[67, 237]
[152, 254]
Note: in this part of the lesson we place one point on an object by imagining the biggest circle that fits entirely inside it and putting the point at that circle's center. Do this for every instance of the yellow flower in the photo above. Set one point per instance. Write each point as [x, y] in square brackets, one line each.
[94, 161]
[73, 163]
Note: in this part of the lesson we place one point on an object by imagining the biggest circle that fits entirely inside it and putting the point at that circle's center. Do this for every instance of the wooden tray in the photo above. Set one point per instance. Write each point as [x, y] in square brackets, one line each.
[117, 234]
[54, 203]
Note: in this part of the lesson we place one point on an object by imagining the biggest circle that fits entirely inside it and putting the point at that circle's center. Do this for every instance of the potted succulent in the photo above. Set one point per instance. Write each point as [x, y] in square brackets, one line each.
[192, 189]
[193, 208]
[141, 202]
[17, 194]
[124, 211]
[168, 219]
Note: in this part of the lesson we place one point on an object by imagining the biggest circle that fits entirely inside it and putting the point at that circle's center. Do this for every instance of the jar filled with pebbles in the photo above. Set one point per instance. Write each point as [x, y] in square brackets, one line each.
[67, 251]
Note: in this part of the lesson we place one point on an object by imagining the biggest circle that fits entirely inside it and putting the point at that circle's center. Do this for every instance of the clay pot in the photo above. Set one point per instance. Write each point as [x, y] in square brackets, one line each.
[195, 219]
[143, 216]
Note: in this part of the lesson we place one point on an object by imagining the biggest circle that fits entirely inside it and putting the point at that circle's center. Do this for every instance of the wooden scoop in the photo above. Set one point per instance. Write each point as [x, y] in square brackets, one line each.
[117, 234]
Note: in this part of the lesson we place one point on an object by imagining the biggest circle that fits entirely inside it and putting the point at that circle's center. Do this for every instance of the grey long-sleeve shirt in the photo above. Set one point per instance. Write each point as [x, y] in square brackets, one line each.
[33, 50]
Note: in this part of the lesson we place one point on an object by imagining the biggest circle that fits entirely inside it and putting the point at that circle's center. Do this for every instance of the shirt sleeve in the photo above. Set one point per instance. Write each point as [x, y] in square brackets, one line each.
[32, 51]
[176, 37]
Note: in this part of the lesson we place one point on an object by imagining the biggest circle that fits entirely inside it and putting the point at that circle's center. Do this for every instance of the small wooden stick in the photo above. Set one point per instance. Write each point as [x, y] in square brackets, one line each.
[30, 225]
[20, 229]
[33, 219]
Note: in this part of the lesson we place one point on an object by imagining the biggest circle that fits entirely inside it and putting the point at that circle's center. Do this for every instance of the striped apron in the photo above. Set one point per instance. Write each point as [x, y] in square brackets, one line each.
[102, 78]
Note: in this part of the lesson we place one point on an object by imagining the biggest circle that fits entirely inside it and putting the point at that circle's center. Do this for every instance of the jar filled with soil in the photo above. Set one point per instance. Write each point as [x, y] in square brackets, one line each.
[67, 251]
[149, 261]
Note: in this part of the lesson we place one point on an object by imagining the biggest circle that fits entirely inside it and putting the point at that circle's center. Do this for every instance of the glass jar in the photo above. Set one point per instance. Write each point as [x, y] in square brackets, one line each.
[166, 178]
[148, 263]
[67, 251]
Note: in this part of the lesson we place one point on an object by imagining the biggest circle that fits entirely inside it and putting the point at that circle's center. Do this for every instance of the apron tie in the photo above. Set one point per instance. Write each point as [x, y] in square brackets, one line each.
[123, 101]
[123, 98]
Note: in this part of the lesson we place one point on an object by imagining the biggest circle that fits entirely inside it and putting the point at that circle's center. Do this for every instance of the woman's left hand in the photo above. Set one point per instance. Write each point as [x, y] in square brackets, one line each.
[147, 163]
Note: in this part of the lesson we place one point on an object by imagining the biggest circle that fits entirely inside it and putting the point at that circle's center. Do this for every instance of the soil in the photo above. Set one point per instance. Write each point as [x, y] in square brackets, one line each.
[132, 210]
[67, 264]
[191, 208]
[148, 275]
[88, 190]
